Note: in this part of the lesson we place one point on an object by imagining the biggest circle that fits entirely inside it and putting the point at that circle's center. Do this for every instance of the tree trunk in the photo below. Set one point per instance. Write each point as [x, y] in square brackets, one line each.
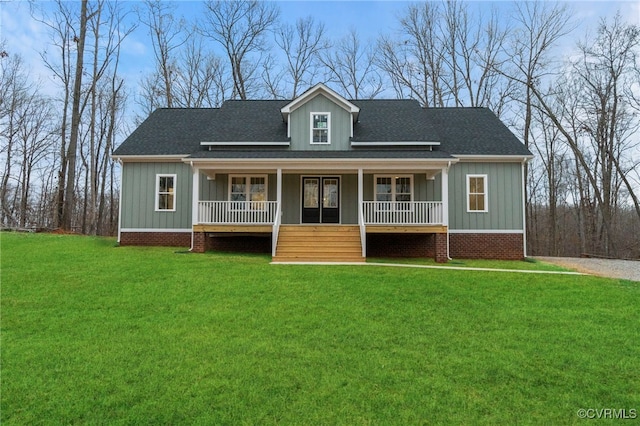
[67, 212]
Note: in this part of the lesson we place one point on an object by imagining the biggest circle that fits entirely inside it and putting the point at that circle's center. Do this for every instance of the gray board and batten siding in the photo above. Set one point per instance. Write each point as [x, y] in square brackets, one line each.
[504, 182]
[339, 126]
[139, 192]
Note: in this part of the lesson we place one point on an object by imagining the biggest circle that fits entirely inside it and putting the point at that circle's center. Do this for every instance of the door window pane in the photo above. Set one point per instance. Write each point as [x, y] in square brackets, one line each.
[330, 193]
[311, 189]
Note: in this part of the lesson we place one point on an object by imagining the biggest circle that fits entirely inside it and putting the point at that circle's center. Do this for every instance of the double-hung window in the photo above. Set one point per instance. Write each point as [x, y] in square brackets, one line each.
[165, 193]
[393, 192]
[477, 193]
[320, 127]
[248, 192]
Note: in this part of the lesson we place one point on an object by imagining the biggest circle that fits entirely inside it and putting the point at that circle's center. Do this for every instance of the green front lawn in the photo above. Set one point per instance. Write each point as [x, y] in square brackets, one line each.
[93, 333]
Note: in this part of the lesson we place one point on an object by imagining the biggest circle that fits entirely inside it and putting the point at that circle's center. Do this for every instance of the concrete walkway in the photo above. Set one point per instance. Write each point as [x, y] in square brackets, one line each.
[458, 268]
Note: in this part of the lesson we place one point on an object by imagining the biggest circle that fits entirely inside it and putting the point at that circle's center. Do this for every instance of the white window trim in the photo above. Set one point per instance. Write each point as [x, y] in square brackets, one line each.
[175, 192]
[328, 114]
[393, 188]
[248, 187]
[486, 192]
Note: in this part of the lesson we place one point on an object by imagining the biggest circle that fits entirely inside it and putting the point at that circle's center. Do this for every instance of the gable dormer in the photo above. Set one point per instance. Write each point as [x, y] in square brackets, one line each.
[320, 119]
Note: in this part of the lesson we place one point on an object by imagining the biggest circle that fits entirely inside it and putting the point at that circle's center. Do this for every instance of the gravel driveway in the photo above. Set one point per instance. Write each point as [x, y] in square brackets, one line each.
[612, 268]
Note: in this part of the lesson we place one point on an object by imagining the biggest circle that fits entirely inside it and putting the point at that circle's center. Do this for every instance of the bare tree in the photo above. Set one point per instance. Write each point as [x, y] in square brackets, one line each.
[76, 113]
[108, 31]
[540, 26]
[26, 141]
[474, 57]
[201, 79]
[444, 55]
[167, 33]
[34, 145]
[415, 62]
[605, 73]
[17, 93]
[589, 112]
[352, 66]
[302, 45]
[241, 28]
[61, 27]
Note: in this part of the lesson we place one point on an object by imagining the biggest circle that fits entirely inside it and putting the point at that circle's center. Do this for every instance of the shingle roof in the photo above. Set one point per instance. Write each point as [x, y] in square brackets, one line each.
[460, 131]
[393, 121]
[169, 131]
[474, 131]
[242, 121]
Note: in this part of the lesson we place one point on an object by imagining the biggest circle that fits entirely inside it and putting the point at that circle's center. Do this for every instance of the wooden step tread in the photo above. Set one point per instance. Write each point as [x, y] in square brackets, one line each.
[319, 228]
[310, 244]
[359, 259]
[321, 241]
[341, 250]
[303, 232]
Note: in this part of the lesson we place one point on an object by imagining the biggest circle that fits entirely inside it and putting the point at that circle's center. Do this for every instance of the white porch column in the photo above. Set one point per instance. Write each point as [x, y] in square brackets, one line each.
[363, 231]
[279, 187]
[360, 196]
[445, 196]
[196, 195]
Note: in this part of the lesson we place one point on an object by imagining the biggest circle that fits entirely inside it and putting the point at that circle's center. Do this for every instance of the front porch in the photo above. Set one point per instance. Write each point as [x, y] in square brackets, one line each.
[325, 242]
[333, 203]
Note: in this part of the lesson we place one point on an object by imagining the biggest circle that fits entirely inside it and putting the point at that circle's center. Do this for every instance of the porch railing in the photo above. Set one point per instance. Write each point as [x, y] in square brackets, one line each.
[402, 212]
[237, 212]
[276, 230]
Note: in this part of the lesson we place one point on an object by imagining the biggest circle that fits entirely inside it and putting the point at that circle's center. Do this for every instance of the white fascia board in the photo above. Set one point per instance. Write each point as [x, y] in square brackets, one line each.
[315, 91]
[149, 158]
[493, 158]
[224, 144]
[404, 143]
[338, 164]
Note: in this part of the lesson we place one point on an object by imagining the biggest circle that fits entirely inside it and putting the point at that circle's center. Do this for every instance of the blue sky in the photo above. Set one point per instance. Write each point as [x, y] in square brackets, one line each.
[24, 36]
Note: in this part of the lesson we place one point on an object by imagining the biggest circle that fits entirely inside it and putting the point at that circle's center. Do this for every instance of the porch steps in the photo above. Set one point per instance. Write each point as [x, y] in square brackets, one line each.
[321, 243]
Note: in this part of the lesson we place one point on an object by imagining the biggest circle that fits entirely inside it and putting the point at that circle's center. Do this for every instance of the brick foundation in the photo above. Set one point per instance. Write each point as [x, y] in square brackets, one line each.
[199, 242]
[486, 246]
[461, 246]
[440, 243]
[169, 239]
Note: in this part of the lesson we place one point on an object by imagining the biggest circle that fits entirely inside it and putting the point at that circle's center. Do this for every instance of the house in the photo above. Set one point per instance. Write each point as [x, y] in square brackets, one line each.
[323, 178]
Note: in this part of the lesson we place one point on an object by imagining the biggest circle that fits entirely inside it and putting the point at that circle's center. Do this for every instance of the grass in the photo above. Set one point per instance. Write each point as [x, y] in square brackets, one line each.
[93, 333]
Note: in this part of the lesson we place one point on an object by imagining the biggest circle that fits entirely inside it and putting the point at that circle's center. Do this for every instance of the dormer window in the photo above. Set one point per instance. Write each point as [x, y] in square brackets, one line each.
[320, 125]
